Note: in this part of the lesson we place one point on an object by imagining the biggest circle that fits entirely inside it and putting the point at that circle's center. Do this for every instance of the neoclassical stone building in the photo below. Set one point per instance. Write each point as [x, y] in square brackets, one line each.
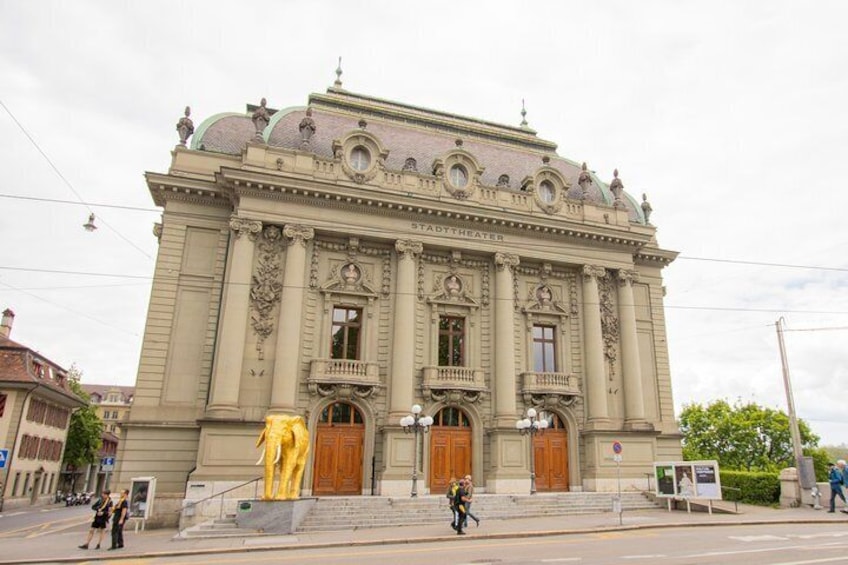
[353, 257]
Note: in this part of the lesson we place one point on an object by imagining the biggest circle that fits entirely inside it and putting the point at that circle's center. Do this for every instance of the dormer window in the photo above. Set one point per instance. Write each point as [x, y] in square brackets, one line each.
[360, 158]
[38, 369]
[546, 191]
[458, 176]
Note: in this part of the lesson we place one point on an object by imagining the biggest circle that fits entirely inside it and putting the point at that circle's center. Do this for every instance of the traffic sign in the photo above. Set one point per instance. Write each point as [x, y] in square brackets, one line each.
[107, 463]
[616, 447]
[4, 456]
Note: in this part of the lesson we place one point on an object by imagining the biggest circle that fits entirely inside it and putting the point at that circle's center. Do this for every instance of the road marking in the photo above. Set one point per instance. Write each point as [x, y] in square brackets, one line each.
[562, 560]
[11, 514]
[822, 535]
[825, 560]
[765, 537]
[646, 556]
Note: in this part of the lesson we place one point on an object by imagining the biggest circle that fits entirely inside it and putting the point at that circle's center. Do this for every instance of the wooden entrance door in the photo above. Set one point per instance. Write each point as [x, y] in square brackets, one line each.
[337, 468]
[450, 448]
[551, 456]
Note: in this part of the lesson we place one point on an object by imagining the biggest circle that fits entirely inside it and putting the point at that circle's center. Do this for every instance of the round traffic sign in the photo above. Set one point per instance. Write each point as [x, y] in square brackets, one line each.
[616, 447]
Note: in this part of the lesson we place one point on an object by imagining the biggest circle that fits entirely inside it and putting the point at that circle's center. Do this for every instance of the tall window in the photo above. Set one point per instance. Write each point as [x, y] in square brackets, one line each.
[544, 349]
[347, 327]
[451, 341]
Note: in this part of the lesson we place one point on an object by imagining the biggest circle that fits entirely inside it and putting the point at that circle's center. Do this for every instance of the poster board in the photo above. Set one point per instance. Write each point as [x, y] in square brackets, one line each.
[142, 493]
[687, 479]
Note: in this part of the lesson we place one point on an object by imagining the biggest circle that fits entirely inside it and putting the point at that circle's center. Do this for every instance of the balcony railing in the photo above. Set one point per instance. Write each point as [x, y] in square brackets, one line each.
[460, 378]
[565, 384]
[344, 371]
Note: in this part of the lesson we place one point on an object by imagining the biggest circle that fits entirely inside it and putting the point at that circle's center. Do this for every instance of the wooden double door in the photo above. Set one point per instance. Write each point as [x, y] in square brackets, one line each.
[339, 437]
[450, 448]
[550, 451]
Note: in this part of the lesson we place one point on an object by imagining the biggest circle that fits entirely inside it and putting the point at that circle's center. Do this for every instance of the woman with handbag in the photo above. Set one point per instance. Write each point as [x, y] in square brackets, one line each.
[101, 508]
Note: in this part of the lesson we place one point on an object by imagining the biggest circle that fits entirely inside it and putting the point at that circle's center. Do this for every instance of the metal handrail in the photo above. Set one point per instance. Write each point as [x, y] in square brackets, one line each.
[194, 503]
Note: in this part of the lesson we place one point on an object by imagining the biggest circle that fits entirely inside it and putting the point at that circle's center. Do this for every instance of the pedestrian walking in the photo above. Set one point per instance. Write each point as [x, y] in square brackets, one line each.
[119, 518]
[101, 508]
[841, 466]
[451, 494]
[459, 502]
[836, 479]
[469, 491]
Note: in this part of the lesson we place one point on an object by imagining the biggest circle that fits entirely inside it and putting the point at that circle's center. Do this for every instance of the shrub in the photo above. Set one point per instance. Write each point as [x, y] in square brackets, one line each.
[754, 488]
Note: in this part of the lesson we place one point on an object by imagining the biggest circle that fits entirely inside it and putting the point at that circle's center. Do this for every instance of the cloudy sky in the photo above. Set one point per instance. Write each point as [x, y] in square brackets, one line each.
[731, 116]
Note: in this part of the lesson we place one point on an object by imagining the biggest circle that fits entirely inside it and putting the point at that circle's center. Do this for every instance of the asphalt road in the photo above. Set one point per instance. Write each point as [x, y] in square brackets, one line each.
[27, 522]
[776, 544]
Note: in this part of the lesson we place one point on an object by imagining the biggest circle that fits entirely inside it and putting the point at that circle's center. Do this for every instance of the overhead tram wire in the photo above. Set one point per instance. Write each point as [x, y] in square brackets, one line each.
[86, 204]
[68, 183]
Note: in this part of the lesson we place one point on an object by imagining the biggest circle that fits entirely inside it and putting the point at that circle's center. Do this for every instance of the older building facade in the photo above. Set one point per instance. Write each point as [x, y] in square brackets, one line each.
[349, 259]
[35, 411]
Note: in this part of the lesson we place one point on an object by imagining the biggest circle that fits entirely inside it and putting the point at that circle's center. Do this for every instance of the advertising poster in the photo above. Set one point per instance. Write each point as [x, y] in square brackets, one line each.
[141, 497]
[665, 480]
[685, 484]
[706, 481]
[688, 479]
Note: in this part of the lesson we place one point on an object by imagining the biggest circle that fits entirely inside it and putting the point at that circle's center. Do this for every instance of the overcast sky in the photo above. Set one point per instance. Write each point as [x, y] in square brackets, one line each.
[731, 116]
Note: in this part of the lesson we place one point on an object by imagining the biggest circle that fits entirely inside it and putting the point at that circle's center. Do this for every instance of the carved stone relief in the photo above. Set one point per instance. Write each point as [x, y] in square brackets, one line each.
[609, 320]
[266, 285]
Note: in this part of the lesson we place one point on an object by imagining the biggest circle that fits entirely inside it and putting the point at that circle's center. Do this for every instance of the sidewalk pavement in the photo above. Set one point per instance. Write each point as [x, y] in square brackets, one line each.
[157, 543]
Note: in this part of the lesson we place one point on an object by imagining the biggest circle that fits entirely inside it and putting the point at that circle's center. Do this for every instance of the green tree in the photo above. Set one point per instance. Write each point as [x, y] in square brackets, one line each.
[83, 443]
[745, 437]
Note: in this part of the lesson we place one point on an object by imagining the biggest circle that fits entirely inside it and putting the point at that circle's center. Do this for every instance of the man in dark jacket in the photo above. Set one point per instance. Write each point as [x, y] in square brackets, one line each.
[459, 501]
[834, 476]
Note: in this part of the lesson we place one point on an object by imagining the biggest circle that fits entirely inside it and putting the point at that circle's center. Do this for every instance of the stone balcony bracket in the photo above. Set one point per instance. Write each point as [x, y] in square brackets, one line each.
[343, 378]
[563, 386]
[454, 385]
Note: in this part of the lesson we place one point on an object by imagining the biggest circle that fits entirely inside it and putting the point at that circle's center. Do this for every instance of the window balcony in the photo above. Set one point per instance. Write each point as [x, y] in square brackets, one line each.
[454, 378]
[562, 384]
[343, 378]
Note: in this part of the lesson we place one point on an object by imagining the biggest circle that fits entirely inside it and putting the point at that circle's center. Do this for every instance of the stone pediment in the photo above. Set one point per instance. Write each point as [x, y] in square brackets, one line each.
[350, 278]
[450, 290]
[543, 300]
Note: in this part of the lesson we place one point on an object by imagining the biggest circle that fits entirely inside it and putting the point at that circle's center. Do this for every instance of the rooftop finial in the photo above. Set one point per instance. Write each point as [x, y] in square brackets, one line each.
[185, 127]
[617, 189]
[523, 114]
[584, 180]
[338, 83]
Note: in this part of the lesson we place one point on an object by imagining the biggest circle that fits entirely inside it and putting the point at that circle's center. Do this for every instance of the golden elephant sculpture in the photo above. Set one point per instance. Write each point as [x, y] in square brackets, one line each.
[287, 444]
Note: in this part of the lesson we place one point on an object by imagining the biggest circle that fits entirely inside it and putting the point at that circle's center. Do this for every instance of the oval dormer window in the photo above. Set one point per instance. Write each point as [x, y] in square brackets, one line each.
[458, 176]
[360, 158]
[546, 192]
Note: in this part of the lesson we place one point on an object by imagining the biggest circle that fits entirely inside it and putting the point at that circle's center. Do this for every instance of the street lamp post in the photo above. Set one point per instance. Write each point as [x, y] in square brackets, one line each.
[532, 425]
[415, 423]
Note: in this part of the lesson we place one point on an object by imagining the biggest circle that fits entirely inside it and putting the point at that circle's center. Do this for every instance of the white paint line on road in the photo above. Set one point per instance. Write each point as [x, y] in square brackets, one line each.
[764, 550]
[9, 515]
[646, 556]
[811, 561]
[765, 537]
[821, 535]
[562, 560]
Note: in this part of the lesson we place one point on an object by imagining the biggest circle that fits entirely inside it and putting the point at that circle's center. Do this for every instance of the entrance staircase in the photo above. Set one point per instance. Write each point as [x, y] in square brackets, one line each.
[362, 512]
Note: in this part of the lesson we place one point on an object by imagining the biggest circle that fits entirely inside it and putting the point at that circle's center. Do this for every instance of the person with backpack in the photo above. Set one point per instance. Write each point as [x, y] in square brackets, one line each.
[459, 501]
[451, 494]
[102, 508]
[469, 491]
[119, 518]
[834, 476]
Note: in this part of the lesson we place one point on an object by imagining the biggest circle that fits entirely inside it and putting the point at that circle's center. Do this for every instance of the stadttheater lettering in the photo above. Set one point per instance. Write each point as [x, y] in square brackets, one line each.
[456, 232]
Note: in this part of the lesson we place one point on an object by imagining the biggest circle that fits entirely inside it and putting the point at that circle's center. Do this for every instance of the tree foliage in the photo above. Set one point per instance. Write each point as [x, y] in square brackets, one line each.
[83, 441]
[745, 437]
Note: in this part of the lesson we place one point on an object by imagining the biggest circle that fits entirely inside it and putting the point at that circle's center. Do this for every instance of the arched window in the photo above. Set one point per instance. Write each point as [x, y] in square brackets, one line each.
[451, 416]
[340, 413]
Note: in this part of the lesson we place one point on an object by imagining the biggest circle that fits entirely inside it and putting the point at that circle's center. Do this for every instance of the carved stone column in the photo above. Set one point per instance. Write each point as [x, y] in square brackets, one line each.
[287, 358]
[229, 353]
[505, 373]
[403, 331]
[593, 346]
[631, 368]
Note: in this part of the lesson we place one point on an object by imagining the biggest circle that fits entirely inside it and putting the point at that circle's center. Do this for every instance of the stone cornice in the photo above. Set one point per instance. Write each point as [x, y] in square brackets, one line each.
[421, 207]
[186, 189]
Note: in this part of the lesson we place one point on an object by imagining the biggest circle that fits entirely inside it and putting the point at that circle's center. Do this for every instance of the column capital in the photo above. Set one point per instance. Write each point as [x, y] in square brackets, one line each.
[298, 234]
[627, 278]
[408, 248]
[242, 226]
[592, 271]
[506, 260]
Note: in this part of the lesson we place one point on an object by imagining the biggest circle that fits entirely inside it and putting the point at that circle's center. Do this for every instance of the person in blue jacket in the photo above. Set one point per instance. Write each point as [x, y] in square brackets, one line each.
[834, 475]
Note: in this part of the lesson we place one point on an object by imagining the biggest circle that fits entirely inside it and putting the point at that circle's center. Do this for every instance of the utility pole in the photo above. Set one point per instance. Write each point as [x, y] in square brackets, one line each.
[793, 419]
